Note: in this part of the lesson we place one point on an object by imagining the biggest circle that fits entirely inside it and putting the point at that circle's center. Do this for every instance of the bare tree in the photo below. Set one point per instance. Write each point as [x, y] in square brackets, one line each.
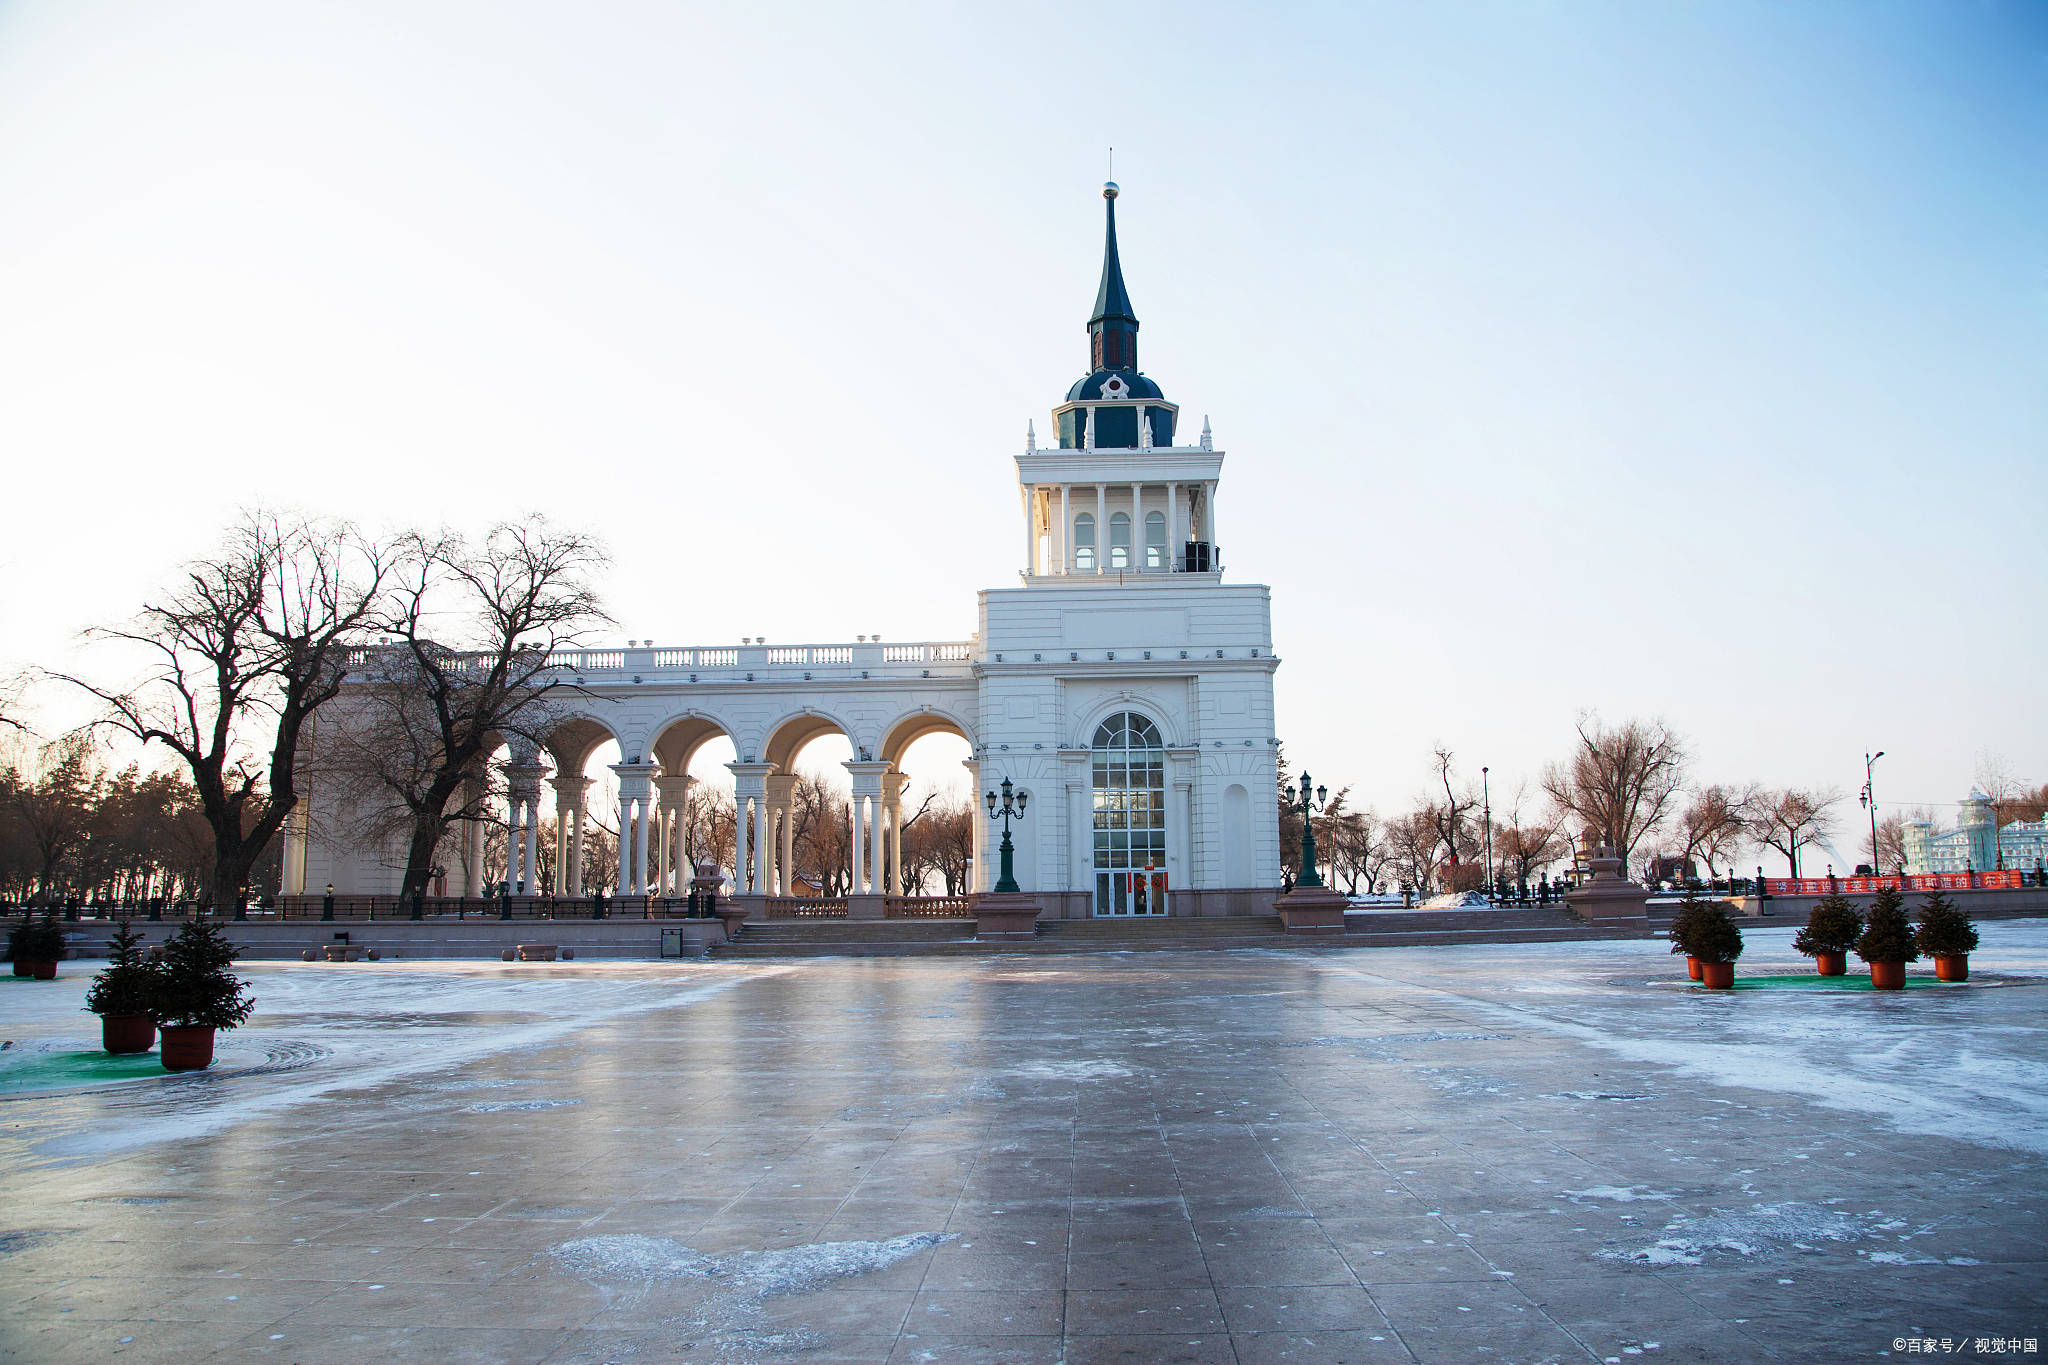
[1890, 848]
[1792, 818]
[1415, 847]
[1354, 843]
[52, 803]
[941, 844]
[1527, 842]
[244, 653]
[1621, 783]
[2012, 798]
[1712, 824]
[474, 627]
[710, 821]
[1452, 817]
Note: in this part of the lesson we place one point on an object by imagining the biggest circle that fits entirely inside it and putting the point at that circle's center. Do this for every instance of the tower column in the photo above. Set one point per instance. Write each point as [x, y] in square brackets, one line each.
[1030, 531]
[892, 805]
[576, 853]
[853, 885]
[1135, 556]
[1173, 535]
[1101, 528]
[522, 836]
[1065, 538]
[570, 794]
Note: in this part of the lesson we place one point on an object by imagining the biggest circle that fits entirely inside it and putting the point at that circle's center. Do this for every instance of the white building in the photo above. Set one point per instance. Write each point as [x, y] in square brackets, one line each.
[1122, 684]
[1976, 844]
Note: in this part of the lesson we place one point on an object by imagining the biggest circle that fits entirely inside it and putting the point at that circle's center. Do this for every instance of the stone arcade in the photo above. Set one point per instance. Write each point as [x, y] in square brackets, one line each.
[1123, 684]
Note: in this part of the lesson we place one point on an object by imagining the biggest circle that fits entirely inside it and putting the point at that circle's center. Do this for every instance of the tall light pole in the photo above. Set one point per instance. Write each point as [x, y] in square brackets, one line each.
[1868, 798]
[1486, 802]
[1009, 809]
[1308, 803]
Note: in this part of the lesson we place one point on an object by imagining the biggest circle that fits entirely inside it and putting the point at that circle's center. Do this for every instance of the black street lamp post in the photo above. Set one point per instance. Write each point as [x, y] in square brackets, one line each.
[1011, 808]
[1486, 800]
[1868, 799]
[1307, 802]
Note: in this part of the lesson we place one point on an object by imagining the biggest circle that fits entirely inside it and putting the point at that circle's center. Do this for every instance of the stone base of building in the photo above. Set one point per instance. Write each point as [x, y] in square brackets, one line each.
[867, 907]
[1012, 915]
[1312, 910]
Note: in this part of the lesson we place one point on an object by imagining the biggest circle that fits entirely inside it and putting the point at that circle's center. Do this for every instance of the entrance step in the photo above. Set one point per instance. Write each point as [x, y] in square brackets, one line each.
[1149, 927]
[1401, 929]
[955, 938]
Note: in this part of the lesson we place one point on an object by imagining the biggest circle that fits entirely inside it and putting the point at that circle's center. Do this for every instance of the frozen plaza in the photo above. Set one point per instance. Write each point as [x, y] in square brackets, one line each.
[1518, 1153]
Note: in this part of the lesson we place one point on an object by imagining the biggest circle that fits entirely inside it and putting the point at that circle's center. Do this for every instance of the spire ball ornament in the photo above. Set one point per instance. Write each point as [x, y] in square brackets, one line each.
[1109, 190]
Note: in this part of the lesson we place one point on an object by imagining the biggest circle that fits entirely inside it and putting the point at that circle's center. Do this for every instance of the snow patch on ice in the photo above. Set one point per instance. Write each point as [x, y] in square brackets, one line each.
[1688, 1241]
[1071, 1071]
[1619, 1194]
[784, 1270]
[521, 1106]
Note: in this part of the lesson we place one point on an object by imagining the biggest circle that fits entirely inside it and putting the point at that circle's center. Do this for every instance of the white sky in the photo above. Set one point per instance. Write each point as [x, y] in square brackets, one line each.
[1657, 360]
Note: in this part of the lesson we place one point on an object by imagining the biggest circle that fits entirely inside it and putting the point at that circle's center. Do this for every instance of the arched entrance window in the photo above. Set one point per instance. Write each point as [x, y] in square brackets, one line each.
[1084, 542]
[1129, 769]
[1119, 540]
[1155, 541]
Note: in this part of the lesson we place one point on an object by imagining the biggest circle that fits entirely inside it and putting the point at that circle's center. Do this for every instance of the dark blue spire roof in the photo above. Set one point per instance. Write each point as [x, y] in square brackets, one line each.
[1113, 329]
[1112, 301]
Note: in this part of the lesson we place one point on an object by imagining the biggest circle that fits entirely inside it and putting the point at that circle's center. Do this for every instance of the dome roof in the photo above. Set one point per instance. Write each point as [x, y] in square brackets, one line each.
[1130, 384]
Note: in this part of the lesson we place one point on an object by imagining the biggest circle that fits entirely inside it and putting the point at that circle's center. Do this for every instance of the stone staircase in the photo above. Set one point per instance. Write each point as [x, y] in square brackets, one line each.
[955, 937]
[853, 938]
[1161, 931]
[1408, 929]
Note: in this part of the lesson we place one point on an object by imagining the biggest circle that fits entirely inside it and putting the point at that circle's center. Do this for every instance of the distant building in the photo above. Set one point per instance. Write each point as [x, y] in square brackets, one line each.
[1976, 844]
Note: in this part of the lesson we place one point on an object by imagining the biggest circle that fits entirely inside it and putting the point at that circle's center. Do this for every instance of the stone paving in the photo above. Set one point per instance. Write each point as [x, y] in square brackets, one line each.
[1456, 1154]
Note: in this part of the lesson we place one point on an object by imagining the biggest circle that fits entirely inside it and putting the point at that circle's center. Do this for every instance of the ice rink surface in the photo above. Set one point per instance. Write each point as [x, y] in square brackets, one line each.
[1543, 1152]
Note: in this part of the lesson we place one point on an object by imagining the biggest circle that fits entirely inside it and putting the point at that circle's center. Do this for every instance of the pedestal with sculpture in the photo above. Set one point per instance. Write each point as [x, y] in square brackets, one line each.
[1608, 896]
[1311, 907]
[1006, 912]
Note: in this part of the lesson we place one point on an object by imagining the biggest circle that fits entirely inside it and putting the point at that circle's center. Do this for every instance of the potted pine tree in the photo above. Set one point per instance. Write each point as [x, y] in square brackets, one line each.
[1684, 924]
[1887, 941]
[198, 994]
[36, 945]
[1716, 942]
[1946, 935]
[124, 995]
[1831, 931]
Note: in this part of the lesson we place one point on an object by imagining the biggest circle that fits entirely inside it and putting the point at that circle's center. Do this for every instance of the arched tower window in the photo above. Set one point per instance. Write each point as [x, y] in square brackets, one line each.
[1155, 541]
[1129, 771]
[1084, 542]
[1119, 540]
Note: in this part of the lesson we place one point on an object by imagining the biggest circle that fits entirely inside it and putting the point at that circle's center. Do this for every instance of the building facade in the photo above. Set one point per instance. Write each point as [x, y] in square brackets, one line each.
[1122, 684]
[1977, 843]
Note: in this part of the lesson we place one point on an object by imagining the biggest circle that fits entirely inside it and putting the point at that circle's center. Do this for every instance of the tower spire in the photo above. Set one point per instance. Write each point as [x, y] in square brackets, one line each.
[1113, 329]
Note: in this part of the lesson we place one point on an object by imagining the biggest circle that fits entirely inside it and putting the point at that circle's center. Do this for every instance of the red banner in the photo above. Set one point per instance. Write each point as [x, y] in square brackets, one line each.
[1919, 881]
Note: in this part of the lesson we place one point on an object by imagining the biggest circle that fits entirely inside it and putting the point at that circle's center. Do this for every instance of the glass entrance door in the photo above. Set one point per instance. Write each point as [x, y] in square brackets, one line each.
[1130, 816]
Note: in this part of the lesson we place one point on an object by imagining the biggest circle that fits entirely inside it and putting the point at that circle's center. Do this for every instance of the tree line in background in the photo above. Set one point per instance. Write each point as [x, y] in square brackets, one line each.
[75, 828]
[1629, 786]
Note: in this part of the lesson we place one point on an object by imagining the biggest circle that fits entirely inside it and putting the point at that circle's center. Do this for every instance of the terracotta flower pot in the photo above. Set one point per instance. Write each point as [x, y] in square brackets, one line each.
[187, 1049]
[1831, 964]
[1952, 966]
[40, 970]
[121, 1034]
[20, 968]
[1888, 976]
[1692, 966]
[1717, 976]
